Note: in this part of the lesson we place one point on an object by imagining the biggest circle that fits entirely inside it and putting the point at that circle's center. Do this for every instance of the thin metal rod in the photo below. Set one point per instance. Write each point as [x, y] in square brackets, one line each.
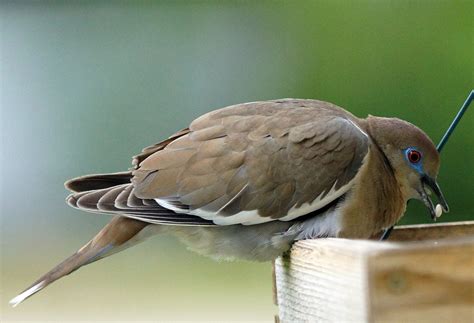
[443, 141]
[455, 121]
[386, 233]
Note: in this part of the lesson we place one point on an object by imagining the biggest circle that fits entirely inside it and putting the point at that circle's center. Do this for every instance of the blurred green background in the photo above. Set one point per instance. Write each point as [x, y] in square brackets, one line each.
[84, 86]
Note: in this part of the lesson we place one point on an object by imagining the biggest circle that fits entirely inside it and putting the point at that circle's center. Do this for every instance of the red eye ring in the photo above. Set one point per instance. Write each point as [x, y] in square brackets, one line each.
[414, 156]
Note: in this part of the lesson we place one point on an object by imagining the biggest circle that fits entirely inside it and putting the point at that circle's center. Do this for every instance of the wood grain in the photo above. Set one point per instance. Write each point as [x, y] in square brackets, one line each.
[339, 280]
[427, 282]
[418, 232]
[321, 280]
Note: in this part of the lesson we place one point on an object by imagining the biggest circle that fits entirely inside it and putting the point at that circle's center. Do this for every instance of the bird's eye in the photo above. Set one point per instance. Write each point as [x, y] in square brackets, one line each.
[414, 156]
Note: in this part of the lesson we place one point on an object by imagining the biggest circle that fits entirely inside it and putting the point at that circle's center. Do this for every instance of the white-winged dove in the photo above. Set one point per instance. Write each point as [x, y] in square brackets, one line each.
[248, 180]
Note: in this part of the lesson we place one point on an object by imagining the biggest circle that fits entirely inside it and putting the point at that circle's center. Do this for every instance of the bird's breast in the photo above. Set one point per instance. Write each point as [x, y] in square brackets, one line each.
[375, 201]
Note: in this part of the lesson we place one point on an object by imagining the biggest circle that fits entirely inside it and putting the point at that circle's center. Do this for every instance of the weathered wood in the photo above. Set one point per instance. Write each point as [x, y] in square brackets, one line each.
[338, 280]
[432, 231]
[430, 282]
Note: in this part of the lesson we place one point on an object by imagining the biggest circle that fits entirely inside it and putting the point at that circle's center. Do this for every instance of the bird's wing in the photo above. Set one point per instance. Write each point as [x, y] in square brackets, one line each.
[256, 162]
[114, 194]
[147, 151]
[121, 200]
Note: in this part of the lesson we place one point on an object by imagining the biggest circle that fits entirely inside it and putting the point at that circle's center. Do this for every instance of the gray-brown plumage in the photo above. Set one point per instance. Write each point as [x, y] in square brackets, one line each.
[247, 180]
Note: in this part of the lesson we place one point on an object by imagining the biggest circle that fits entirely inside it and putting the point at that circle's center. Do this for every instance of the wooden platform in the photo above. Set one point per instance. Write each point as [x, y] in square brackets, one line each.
[424, 273]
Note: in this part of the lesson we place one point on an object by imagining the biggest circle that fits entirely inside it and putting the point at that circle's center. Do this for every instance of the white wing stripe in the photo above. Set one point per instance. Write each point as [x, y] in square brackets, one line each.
[252, 217]
[318, 202]
[170, 206]
[232, 199]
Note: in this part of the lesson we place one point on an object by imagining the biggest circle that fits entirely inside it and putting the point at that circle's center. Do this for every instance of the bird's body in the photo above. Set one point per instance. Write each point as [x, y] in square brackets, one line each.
[248, 180]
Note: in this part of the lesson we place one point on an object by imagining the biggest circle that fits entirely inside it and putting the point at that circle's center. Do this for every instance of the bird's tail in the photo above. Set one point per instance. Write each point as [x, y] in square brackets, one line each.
[118, 234]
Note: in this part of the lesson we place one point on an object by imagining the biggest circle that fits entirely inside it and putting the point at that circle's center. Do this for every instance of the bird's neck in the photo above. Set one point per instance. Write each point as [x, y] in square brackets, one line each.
[376, 200]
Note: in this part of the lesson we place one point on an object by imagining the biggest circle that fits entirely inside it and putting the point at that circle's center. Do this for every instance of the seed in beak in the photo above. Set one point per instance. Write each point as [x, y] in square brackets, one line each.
[438, 210]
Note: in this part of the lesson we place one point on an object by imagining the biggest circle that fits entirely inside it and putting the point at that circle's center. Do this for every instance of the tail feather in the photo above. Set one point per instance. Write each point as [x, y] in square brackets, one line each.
[121, 199]
[118, 234]
[98, 181]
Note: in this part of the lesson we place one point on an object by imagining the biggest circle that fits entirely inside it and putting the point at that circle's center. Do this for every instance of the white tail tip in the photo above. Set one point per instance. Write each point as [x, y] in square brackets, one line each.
[27, 293]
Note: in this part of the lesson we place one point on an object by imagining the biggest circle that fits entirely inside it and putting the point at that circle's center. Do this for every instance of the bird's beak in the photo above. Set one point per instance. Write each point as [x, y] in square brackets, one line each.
[429, 182]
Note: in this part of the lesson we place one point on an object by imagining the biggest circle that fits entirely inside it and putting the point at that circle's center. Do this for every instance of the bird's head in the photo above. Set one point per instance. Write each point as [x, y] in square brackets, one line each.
[413, 157]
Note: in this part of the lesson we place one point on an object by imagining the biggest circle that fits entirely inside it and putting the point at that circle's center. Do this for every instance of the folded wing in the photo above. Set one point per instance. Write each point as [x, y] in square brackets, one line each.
[254, 163]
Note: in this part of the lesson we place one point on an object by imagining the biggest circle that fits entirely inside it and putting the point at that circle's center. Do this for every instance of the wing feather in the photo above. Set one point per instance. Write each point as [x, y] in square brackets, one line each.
[245, 164]
[257, 162]
[114, 200]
